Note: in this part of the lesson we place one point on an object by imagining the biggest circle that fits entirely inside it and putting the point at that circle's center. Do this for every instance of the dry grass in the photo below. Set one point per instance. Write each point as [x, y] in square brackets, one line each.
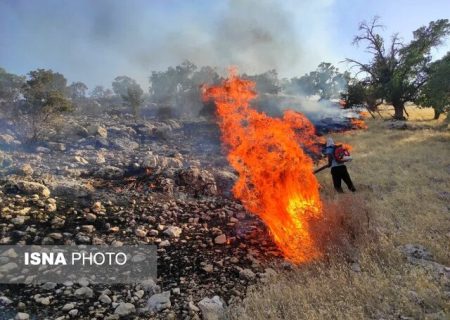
[403, 180]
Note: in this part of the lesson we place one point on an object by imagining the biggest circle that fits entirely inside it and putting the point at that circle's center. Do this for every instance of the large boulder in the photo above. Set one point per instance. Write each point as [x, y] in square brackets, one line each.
[109, 172]
[27, 187]
[71, 188]
[97, 130]
[160, 163]
[125, 309]
[159, 302]
[212, 309]
[125, 144]
[199, 181]
[225, 181]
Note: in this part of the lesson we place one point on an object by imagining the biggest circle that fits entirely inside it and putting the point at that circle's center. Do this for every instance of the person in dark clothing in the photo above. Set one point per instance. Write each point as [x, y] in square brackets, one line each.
[338, 169]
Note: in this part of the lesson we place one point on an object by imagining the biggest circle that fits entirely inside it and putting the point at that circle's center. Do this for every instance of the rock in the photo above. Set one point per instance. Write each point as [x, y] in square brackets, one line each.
[84, 292]
[83, 282]
[79, 130]
[100, 159]
[212, 309]
[88, 228]
[73, 312]
[6, 139]
[45, 301]
[397, 125]
[90, 217]
[225, 180]
[220, 239]
[355, 267]
[173, 232]
[193, 307]
[159, 301]
[139, 293]
[141, 233]
[49, 286]
[5, 160]
[68, 306]
[5, 301]
[8, 267]
[176, 291]
[10, 253]
[247, 274]
[125, 309]
[150, 286]
[58, 222]
[57, 146]
[43, 150]
[199, 181]
[416, 251]
[126, 144]
[28, 187]
[105, 299]
[97, 207]
[101, 143]
[109, 172]
[18, 221]
[70, 188]
[26, 170]
[208, 268]
[164, 243]
[22, 316]
[81, 160]
[82, 238]
[50, 207]
[98, 130]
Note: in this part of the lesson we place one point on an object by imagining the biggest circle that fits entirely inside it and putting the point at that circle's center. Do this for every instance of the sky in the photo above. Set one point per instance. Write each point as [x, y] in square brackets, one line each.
[94, 41]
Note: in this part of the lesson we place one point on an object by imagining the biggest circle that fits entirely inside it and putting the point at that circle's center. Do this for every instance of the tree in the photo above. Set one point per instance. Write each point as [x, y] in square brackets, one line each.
[10, 86]
[436, 92]
[98, 92]
[164, 86]
[130, 92]
[266, 82]
[360, 94]
[134, 98]
[121, 84]
[77, 90]
[326, 82]
[45, 94]
[398, 73]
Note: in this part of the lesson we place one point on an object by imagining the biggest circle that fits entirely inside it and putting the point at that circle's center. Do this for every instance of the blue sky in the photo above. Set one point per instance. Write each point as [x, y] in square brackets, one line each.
[96, 40]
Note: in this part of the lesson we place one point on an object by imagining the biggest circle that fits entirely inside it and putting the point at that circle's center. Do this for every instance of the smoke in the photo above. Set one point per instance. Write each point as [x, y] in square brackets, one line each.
[95, 41]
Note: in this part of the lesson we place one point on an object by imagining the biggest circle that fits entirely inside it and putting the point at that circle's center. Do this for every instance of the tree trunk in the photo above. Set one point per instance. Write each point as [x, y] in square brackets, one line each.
[437, 113]
[399, 108]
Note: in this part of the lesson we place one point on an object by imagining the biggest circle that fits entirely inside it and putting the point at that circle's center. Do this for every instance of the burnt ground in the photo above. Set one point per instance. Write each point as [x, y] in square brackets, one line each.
[113, 180]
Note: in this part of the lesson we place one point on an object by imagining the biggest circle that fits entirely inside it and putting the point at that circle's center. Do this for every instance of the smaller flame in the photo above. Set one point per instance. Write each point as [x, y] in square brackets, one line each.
[358, 123]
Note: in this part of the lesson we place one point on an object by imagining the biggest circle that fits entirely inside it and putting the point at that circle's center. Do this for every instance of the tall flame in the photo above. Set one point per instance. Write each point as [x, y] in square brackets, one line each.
[276, 180]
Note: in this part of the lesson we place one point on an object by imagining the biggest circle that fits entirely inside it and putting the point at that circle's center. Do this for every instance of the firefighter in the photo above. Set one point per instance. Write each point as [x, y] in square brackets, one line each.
[338, 168]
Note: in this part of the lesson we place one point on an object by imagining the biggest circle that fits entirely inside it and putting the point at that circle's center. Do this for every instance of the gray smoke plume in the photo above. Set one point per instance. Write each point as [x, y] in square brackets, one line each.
[95, 41]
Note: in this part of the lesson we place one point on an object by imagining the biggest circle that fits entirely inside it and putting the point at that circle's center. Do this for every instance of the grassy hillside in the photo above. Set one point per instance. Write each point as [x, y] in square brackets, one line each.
[403, 197]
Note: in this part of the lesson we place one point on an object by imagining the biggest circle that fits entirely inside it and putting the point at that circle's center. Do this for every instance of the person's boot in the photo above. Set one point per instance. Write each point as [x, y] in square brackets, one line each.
[339, 190]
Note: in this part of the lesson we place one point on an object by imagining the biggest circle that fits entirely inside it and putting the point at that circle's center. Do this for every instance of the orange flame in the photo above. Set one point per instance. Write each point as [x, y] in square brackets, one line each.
[275, 175]
[358, 123]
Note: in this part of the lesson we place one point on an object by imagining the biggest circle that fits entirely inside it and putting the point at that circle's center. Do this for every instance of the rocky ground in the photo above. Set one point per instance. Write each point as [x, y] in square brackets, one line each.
[113, 180]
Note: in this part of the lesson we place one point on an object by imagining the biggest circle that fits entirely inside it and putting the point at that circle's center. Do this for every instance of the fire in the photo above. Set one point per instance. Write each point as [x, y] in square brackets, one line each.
[276, 180]
[358, 123]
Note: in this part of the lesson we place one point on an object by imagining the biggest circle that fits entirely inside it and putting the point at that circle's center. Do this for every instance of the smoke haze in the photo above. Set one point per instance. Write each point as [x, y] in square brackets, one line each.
[95, 41]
